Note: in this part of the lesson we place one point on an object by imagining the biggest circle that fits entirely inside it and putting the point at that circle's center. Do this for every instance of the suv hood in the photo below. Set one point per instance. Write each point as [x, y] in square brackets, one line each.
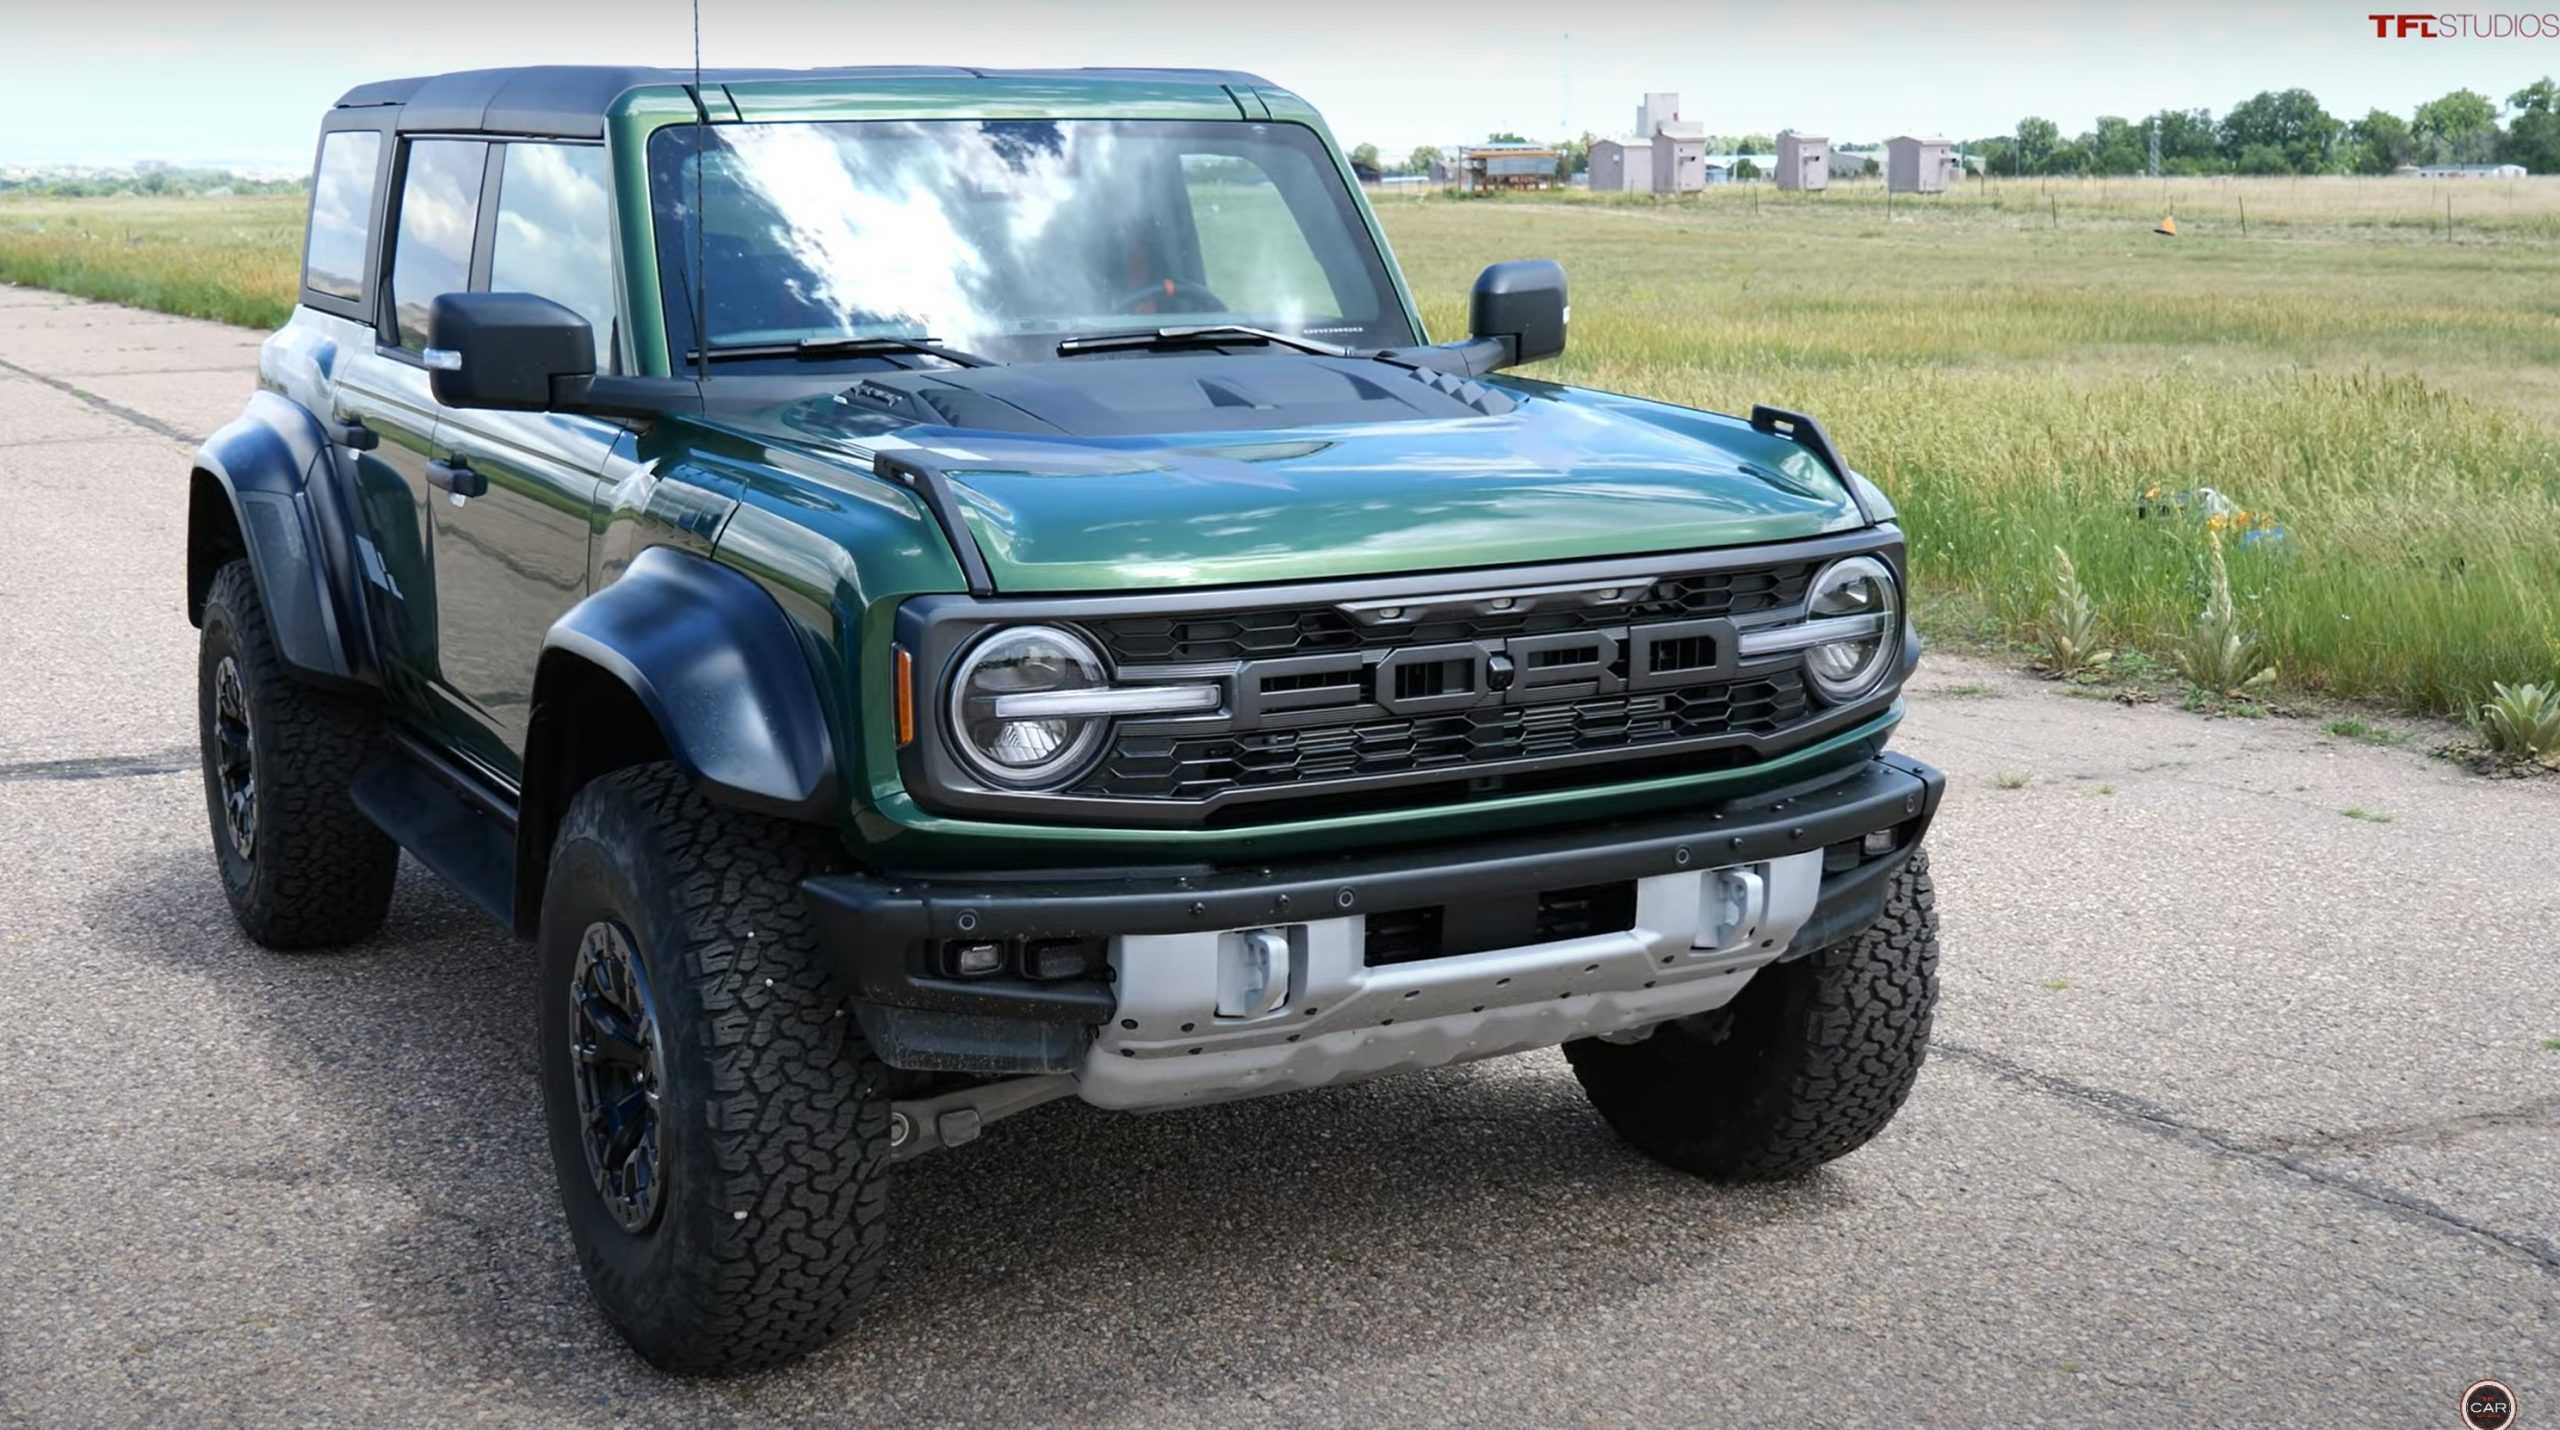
[1106, 473]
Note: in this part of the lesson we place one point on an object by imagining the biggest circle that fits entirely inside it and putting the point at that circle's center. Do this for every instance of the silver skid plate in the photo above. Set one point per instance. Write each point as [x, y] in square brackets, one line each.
[1698, 938]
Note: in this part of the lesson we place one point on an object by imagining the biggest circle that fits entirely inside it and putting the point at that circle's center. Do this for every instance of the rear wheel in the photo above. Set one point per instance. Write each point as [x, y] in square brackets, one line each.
[300, 865]
[1806, 1064]
[719, 1129]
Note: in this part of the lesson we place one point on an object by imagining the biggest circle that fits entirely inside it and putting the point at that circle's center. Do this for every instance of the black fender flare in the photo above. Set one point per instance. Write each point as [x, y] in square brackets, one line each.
[714, 663]
[261, 464]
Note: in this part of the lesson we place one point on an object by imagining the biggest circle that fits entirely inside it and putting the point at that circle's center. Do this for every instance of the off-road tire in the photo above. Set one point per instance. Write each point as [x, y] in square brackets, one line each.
[1806, 1064]
[316, 872]
[773, 1116]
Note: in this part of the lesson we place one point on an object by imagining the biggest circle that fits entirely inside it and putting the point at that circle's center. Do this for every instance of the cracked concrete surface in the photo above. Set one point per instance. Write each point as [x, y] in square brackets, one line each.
[2241, 1114]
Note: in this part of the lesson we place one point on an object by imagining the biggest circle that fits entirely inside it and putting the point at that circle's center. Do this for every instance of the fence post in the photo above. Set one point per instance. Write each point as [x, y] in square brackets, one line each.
[2244, 216]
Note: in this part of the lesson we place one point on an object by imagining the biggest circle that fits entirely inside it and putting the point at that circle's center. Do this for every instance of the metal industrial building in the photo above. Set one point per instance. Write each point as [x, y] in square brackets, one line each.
[1920, 166]
[1509, 166]
[1804, 161]
[2460, 171]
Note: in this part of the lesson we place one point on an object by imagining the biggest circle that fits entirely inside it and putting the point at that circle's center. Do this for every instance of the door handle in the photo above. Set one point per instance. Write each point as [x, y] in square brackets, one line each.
[457, 478]
[354, 436]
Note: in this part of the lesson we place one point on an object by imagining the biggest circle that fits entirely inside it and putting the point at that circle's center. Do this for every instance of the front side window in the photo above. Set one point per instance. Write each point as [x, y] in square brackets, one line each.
[553, 234]
[341, 214]
[439, 210]
[1005, 236]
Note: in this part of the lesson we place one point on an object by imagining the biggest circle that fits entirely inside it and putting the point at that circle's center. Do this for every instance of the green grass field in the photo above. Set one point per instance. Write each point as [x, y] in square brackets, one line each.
[2017, 364]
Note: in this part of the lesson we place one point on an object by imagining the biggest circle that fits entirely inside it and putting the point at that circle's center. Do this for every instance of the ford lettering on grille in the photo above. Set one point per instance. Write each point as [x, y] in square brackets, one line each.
[1464, 675]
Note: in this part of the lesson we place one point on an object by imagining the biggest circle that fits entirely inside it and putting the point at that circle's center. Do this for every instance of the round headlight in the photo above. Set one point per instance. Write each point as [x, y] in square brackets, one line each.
[1859, 587]
[1017, 750]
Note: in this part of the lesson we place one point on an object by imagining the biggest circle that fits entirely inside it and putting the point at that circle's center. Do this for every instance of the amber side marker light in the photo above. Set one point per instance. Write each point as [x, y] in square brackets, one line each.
[906, 679]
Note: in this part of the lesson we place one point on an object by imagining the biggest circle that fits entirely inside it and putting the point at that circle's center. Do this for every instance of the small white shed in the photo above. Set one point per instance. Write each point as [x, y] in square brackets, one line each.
[1920, 166]
[1620, 166]
[1804, 161]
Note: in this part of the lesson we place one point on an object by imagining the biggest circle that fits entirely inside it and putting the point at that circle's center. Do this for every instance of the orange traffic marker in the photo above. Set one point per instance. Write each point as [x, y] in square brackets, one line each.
[2168, 225]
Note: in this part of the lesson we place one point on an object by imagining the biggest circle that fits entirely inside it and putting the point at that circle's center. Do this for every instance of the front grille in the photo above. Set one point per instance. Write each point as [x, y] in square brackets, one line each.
[1198, 767]
[1311, 630]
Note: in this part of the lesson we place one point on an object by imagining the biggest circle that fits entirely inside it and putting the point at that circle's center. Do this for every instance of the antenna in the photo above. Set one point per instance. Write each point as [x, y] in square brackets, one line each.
[701, 223]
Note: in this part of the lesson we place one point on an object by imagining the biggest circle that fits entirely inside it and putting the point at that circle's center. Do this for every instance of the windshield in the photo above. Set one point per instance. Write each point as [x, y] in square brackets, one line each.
[1003, 237]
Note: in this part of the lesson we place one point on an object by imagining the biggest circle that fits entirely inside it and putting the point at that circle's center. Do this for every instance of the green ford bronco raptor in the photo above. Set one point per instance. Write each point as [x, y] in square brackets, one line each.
[927, 591]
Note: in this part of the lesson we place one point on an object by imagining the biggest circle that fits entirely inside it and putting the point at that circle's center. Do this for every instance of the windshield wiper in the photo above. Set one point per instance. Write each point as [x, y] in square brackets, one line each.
[825, 347]
[1205, 334]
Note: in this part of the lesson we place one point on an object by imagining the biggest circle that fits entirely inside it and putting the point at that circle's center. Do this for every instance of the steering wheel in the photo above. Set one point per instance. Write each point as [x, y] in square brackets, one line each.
[1205, 301]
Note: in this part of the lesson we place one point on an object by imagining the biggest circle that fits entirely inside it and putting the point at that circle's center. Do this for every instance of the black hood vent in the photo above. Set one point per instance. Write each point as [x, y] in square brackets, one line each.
[1151, 394]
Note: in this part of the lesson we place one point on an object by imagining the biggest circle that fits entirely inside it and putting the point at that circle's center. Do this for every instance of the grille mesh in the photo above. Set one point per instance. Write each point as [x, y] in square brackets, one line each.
[1310, 630]
[1202, 766]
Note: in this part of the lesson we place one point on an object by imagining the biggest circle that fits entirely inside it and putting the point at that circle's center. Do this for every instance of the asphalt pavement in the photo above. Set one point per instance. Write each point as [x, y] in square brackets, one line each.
[2242, 1111]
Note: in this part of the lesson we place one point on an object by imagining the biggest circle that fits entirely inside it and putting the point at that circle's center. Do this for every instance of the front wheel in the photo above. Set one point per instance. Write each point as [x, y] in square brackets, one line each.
[719, 1130]
[1806, 1064]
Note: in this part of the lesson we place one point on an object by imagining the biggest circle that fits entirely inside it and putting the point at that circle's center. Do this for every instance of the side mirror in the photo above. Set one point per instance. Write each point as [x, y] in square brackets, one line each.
[514, 352]
[1521, 304]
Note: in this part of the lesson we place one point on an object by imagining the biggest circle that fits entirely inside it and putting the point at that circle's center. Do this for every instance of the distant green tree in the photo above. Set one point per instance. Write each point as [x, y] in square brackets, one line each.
[2382, 142]
[1364, 156]
[2461, 128]
[2068, 158]
[2291, 123]
[2190, 142]
[2036, 141]
[1505, 137]
[2533, 136]
[1745, 169]
[2117, 146]
[1422, 158]
[1755, 144]
[1573, 156]
[2262, 159]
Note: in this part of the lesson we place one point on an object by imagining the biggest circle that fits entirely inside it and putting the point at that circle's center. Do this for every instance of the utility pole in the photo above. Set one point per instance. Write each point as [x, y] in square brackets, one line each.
[2153, 124]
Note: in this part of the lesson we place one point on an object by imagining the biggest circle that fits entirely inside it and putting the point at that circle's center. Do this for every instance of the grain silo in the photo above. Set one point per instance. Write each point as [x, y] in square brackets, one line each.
[1804, 161]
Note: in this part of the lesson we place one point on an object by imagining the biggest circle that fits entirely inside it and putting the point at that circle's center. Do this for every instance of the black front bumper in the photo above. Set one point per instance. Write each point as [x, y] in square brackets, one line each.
[891, 931]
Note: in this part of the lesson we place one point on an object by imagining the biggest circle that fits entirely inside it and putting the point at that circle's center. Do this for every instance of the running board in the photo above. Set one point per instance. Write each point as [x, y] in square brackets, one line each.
[449, 820]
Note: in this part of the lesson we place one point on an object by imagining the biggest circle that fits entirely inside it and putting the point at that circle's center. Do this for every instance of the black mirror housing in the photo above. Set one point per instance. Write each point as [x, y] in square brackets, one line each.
[511, 352]
[1522, 304]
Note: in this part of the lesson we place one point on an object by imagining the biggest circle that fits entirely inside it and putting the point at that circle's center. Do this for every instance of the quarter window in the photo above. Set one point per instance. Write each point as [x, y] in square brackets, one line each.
[341, 214]
[439, 209]
[553, 234]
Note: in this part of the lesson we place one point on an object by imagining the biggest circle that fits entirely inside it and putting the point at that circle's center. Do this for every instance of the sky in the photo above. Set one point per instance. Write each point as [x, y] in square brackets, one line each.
[115, 81]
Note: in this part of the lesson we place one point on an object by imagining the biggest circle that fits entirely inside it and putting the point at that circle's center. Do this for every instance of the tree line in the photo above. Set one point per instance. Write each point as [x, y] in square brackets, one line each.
[156, 180]
[2287, 132]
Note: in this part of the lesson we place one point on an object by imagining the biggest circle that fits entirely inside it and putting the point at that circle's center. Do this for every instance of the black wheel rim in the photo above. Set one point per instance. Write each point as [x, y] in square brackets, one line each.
[235, 758]
[614, 1053]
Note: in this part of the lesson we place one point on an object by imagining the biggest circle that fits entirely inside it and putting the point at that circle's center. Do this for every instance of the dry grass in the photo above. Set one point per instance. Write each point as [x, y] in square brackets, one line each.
[235, 260]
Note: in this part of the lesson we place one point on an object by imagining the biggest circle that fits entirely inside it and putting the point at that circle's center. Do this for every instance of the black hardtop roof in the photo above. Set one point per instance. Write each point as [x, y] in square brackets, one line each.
[569, 101]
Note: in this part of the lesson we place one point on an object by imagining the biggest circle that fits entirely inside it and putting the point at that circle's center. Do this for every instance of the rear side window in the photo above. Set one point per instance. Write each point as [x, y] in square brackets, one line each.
[553, 234]
[341, 214]
[439, 211]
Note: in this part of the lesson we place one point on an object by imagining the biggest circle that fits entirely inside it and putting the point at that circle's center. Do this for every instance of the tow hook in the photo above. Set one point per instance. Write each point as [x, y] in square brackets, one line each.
[917, 1127]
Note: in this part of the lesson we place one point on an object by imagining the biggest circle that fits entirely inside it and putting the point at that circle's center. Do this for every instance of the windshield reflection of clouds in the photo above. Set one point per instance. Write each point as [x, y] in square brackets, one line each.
[1002, 235]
